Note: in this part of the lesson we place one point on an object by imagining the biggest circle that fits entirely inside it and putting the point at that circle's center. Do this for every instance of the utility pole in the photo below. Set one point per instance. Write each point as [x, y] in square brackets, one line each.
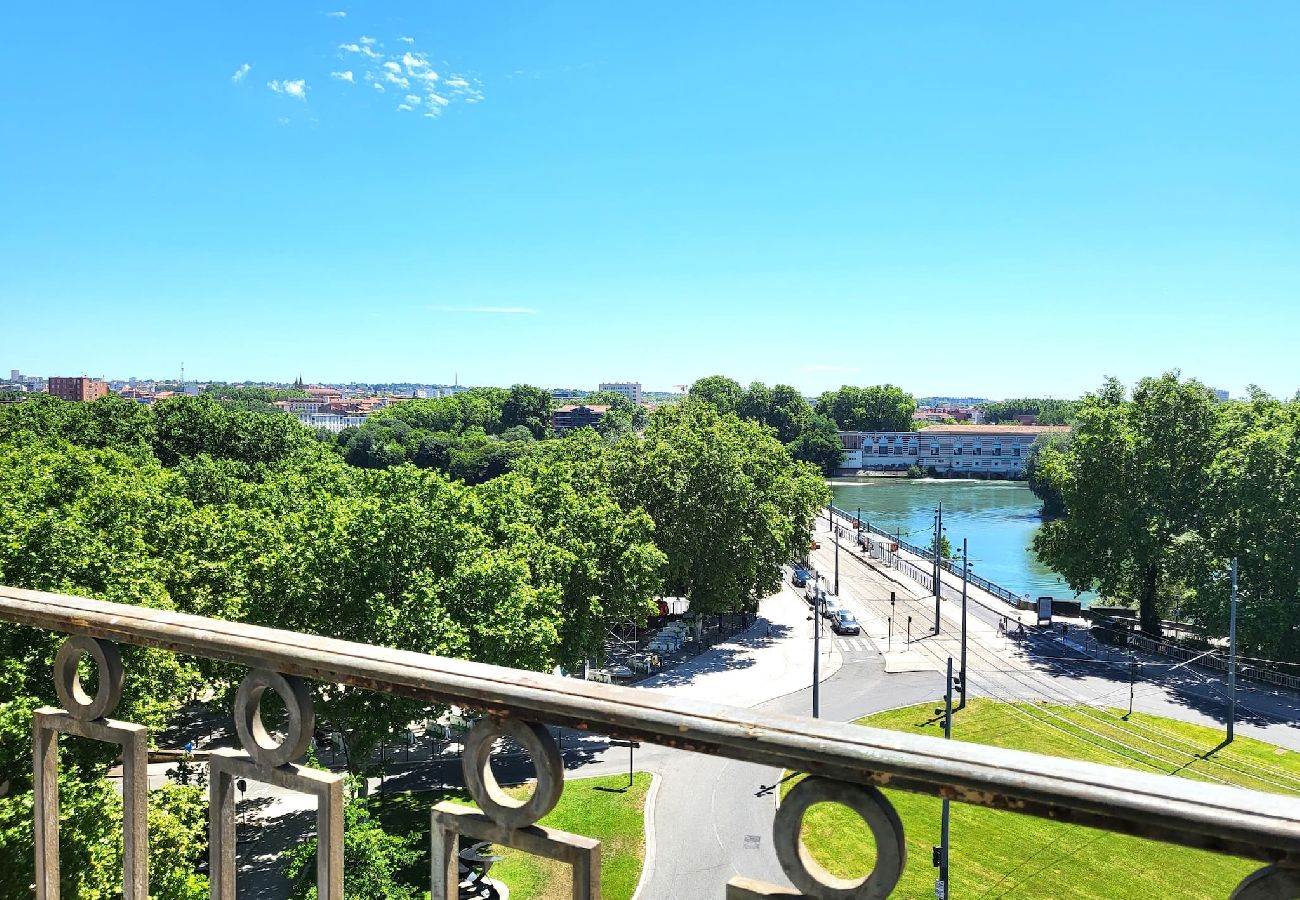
[835, 536]
[965, 569]
[941, 852]
[938, 587]
[1232, 653]
[817, 653]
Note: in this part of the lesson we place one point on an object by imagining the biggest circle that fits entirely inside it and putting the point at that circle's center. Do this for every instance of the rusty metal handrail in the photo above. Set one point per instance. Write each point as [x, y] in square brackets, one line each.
[1215, 817]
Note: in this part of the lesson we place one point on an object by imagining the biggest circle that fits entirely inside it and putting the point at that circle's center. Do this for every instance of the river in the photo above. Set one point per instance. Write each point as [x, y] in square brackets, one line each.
[997, 518]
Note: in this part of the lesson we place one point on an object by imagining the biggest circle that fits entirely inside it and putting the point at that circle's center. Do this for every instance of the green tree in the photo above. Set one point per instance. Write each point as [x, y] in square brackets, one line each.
[1253, 513]
[728, 502]
[722, 393]
[788, 412]
[1045, 411]
[373, 859]
[879, 408]
[1043, 471]
[1133, 484]
[819, 443]
[527, 406]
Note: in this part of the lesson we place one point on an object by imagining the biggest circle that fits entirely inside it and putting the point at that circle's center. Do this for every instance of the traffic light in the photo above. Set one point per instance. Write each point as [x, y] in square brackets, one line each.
[937, 857]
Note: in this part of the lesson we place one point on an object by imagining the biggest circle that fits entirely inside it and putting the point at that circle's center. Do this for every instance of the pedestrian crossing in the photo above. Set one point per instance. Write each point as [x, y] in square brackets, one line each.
[855, 644]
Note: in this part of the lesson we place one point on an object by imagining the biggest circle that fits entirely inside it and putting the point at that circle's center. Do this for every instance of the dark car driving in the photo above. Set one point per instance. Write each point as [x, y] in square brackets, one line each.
[844, 623]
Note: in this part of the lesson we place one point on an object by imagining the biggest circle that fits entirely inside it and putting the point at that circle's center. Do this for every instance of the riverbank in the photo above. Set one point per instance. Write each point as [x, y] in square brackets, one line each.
[998, 518]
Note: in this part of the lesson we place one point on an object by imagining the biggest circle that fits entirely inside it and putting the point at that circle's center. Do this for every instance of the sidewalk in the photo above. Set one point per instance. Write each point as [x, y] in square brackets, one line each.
[752, 668]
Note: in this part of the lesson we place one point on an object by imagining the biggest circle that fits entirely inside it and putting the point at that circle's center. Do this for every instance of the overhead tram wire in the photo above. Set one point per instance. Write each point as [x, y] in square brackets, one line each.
[1071, 729]
[1042, 686]
[1132, 729]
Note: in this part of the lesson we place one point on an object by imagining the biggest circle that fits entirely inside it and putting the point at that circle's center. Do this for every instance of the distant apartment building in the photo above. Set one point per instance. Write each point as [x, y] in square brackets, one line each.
[948, 449]
[330, 421]
[1220, 395]
[629, 389]
[81, 389]
[573, 415]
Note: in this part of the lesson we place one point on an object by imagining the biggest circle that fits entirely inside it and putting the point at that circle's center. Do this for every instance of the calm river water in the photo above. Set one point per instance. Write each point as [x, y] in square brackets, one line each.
[998, 518]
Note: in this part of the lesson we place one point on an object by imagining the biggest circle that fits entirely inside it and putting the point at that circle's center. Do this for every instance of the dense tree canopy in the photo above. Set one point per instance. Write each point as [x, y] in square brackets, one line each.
[722, 393]
[1045, 410]
[1162, 489]
[782, 408]
[440, 527]
[882, 407]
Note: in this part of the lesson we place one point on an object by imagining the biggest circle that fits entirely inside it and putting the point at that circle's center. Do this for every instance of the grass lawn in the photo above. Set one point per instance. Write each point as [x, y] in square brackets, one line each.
[616, 819]
[1000, 854]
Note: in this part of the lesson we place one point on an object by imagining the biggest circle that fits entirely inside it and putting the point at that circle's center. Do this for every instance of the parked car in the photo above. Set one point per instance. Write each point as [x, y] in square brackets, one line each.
[831, 605]
[845, 623]
[800, 578]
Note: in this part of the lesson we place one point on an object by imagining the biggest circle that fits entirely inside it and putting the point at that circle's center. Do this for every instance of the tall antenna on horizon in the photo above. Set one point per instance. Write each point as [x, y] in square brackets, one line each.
[182, 373]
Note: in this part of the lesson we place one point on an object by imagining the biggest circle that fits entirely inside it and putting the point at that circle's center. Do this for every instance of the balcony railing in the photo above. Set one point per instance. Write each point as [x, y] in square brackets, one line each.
[848, 762]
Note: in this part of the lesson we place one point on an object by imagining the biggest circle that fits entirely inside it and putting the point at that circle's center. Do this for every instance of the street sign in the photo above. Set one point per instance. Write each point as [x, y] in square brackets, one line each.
[941, 890]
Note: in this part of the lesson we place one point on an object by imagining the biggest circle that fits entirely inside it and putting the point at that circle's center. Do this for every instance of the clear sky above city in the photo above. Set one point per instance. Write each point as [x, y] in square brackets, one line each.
[988, 199]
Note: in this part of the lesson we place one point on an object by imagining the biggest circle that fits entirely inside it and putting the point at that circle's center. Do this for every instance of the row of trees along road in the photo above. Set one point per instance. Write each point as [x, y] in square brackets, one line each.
[208, 507]
[1162, 488]
[811, 433]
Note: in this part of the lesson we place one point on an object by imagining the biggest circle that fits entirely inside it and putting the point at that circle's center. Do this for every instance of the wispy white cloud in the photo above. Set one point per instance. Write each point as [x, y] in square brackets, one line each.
[397, 80]
[425, 74]
[343, 76]
[489, 310]
[240, 73]
[404, 107]
[379, 87]
[393, 67]
[337, 14]
[364, 50]
[413, 99]
[456, 82]
[407, 40]
[296, 89]
[367, 40]
[414, 60]
[438, 99]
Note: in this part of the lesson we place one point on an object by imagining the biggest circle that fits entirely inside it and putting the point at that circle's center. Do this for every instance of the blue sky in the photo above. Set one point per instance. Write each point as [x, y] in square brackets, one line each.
[996, 198]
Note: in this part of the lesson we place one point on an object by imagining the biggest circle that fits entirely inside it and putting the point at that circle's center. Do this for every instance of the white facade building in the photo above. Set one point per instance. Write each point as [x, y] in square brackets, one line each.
[334, 422]
[629, 389]
[949, 449]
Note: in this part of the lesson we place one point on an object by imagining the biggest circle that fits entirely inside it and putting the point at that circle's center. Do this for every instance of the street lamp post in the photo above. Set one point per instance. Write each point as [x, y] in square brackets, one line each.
[938, 585]
[942, 861]
[836, 537]
[1232, 653]
[817, 653]
[965, 570]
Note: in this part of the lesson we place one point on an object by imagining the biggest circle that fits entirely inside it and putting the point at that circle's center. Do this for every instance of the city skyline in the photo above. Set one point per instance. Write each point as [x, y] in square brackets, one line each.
[1001, 203]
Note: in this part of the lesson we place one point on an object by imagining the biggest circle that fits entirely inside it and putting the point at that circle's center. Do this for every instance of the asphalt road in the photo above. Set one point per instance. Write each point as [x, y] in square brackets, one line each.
[713, 816]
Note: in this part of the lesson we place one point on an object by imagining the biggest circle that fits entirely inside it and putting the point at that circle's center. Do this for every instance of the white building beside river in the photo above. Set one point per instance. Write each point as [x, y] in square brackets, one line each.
[968, 449]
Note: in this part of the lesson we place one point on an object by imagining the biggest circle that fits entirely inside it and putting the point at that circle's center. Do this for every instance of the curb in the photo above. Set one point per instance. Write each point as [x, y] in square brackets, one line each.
[647, 862]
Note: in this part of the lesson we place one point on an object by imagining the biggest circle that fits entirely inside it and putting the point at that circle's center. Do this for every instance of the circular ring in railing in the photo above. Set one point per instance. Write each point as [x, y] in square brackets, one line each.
[67, 682]
[1269, 883]
[499, 806]
[300, 717]
[805, 873]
